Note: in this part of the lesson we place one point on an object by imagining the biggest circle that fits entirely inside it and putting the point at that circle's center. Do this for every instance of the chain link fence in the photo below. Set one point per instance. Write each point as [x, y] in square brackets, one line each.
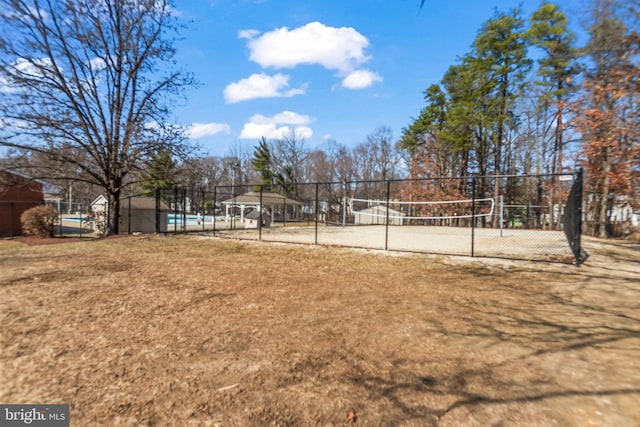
[514, 217]
[533, 217]
[74, 218]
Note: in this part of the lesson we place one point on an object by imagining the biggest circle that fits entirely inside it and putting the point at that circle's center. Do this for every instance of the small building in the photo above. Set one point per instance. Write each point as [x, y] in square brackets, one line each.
[18, 193]
[137, 214]
[253, 219]
[140, 215]
[99, 204]
[378, 215]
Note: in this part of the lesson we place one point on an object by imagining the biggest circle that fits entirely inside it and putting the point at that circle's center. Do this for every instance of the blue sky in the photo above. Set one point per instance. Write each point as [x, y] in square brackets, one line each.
[323, 69]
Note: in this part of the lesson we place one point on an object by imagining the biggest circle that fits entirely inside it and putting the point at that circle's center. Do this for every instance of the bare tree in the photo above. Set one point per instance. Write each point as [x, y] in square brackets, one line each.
[290, 155]
[238, 167]
[88, 84]
[378, 157]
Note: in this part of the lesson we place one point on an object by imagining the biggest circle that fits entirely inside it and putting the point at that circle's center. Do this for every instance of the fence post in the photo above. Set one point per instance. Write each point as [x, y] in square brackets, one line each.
[157, 225]
[175, 209]
[473, 215]
[386, 227]
[233, 209]
[11, 221]
[316, 210]
[285, 212]
[215, 196]
[129, 217]
[580, 181]
[580, 254]
[184, 210]
[202, 209]
[260, 216]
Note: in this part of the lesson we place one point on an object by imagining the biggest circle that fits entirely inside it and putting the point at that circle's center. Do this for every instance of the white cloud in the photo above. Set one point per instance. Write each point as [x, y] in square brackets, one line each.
[97, 64]
[23, 68]
[248, 34]
[261, 86]
[287, 117]
[340, 49]
[14, 124]
[198, 130]
[6, 87]
[275, 127]
[360, 79]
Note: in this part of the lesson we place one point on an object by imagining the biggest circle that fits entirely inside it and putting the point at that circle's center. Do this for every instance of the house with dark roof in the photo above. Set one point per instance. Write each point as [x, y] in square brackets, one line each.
[18, 193]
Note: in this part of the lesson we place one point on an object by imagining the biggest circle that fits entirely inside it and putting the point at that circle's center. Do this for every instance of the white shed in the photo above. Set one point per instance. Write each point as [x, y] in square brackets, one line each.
[378, 215]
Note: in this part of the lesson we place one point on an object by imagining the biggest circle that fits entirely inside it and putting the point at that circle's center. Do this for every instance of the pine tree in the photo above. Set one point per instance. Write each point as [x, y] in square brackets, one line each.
[161, 174]
[263, 163]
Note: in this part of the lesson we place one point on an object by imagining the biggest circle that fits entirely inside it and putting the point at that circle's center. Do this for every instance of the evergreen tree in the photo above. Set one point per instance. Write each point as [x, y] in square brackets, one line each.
[161, 173]
[263, 163]
[549, 32]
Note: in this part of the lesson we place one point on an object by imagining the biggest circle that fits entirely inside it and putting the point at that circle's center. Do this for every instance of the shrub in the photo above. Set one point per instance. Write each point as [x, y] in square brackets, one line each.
[39, 221]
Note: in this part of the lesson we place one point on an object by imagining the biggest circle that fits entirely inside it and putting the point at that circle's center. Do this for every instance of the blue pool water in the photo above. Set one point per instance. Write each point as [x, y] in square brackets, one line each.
[75, 219]
[172, 219]
[176, 219]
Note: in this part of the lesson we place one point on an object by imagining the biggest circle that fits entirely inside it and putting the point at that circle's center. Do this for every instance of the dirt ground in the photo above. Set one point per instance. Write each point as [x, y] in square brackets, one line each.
[174, 331]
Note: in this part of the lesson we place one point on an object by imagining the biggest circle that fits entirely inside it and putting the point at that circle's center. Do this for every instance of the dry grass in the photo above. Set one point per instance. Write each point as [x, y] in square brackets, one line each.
[192, 331]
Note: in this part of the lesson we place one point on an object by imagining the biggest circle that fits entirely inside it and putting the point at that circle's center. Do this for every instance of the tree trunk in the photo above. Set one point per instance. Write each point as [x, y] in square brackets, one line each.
[114, 213]
[558, 150]
[603, 219]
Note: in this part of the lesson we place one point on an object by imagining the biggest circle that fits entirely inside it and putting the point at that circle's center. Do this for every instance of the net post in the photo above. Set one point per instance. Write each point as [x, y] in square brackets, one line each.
[473, 215]
[128, 218]
[501, 212]
[344, 205]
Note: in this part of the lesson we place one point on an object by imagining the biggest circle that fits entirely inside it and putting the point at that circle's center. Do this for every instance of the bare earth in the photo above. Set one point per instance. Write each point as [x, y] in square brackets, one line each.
[178, 331]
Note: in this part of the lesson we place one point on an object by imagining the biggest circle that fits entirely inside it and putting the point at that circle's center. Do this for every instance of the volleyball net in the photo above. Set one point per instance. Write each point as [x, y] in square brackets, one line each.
[421, 210]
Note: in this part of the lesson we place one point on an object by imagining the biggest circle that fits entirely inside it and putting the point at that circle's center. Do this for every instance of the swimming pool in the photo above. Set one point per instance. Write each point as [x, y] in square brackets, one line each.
[176, 219]
[77, 219]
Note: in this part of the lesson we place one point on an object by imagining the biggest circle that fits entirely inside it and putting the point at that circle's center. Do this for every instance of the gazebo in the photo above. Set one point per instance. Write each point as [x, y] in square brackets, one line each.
[279, 207]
